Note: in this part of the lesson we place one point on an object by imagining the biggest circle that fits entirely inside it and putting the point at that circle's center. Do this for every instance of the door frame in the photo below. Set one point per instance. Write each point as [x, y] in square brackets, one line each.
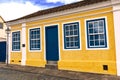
[50, 25]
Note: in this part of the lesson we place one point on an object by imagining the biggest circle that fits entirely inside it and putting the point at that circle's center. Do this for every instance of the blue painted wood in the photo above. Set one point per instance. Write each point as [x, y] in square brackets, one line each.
[52, 49]
[2, 51]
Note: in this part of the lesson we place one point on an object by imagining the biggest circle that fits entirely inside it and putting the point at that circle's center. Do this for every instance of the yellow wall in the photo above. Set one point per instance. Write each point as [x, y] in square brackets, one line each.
[16, 56]
[77, 60]
[35, 58]
[91, 60]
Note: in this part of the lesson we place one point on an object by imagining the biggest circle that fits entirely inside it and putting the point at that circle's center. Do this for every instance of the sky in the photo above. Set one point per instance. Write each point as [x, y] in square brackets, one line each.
[13, 9]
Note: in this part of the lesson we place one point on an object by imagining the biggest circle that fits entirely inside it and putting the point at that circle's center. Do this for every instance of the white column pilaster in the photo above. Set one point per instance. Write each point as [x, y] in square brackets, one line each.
[23, 47]
[116, 15]
[9, 47]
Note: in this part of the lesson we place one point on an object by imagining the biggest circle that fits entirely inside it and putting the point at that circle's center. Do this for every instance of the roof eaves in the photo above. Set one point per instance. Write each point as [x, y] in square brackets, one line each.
[60, 8]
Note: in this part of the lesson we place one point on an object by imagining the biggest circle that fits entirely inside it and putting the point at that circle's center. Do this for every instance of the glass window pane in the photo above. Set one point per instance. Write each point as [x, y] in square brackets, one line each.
[71, 27]
[91, 37]
[91, 25]
[96, 30]
[96, 24]
[102, 42]
[67, 39]
[71, 32]
[97, 42]
[91, 43]
[90, 31]
[101, 23]
[67, 45]
[67, 33]
[71, 39]
[76, 38]
[66, 28]
[75, 32]
[102, 36]
[75, 27]
[76, 44]
[101, 30]
[72, 44]
[96, 37]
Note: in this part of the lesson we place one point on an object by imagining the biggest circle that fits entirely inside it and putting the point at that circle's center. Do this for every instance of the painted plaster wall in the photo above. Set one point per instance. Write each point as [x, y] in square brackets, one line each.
[77, 60]
[2, 31]
[15, 56]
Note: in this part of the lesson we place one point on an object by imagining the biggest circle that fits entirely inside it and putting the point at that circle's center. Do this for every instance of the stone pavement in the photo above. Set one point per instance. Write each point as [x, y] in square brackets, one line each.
[69, 75]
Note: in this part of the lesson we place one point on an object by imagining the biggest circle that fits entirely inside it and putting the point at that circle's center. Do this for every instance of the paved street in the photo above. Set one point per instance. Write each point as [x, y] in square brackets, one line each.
[6, 74]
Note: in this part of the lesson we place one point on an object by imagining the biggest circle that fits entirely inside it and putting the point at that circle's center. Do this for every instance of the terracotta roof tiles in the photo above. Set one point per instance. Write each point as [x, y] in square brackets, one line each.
[61, 8]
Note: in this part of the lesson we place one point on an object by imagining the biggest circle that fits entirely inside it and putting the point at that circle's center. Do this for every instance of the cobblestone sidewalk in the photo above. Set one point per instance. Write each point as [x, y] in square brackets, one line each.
[60, 73]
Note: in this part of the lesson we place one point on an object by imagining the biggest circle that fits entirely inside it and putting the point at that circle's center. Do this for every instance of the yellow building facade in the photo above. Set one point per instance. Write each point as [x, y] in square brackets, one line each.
[82, 38]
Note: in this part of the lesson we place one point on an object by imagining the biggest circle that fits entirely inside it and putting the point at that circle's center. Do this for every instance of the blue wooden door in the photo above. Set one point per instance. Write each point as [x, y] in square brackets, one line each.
[52, 49]
[2, 51]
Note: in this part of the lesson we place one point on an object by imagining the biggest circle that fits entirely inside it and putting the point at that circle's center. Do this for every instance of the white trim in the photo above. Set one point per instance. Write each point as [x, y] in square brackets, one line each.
[40, 39]
[66, 12]
[23, 41]
[9, 48]
[107, 38]
[20, 40]
[116, 16]
[49, 25]
[80, 42]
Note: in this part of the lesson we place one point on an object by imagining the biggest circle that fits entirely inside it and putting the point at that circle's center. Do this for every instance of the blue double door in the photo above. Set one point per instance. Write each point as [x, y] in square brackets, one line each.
[52, 46]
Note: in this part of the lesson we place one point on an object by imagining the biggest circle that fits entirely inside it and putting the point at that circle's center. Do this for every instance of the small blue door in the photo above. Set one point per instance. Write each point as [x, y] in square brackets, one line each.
[2, 51]
[52, 49]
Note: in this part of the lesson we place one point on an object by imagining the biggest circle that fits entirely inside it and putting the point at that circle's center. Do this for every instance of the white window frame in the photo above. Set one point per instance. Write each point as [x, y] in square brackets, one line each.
[12, 41]
[107, 38]
[80, 47]
[40, 39]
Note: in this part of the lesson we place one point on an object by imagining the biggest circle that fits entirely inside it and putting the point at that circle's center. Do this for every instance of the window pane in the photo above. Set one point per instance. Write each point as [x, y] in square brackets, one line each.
[76, 38]
[71, 32]
[67, 45]
[75, 27]
[67, 28]
[96, 37]
[91, 43]
[67, 33]
[101, 30]
[102, 42]
[96, 24]
[96, 42]
[71, 27]
[90, 31]
[102, 36]
[71, 39]
[75, 32]
[72, 44]
[101, 23]
[76, 44]
[1, 25]
[91, 25]
[91, 37]
[96, 30]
